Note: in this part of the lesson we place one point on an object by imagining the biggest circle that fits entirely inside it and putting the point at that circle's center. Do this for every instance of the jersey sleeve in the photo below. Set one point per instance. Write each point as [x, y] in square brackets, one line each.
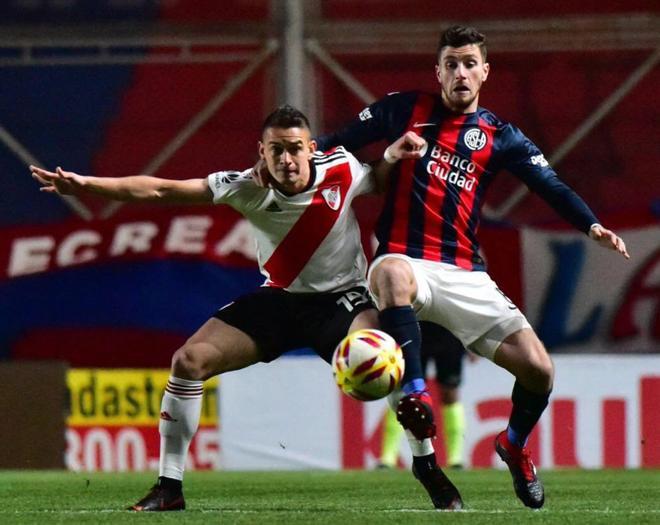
[232, 187]
[526, 161]
[371, 125]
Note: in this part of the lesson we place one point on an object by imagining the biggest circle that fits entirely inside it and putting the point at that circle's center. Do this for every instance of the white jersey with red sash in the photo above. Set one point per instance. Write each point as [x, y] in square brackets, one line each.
[309, 242]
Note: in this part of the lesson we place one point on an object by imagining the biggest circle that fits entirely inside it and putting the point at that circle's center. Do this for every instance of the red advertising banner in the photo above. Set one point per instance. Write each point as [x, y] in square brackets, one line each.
[216, 234]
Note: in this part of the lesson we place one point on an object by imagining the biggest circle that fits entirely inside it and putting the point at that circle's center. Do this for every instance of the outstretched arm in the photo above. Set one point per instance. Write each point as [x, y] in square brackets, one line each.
[571, 207]
[608, 239]
[526, 161]
[134, 188]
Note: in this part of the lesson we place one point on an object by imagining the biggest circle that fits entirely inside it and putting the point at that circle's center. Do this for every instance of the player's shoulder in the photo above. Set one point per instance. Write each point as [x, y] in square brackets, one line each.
[504, 128]
[491, 119]
[230, 177]
[395, 109]
[223, 181]
[406, 98]
[338, 154]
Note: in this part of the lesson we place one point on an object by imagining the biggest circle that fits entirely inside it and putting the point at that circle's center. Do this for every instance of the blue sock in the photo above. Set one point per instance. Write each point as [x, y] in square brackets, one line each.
[401, 323]
[515, 438]
[414, 385]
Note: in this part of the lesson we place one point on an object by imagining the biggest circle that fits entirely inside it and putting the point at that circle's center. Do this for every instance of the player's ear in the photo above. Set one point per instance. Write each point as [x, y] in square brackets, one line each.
[262, 150]
[437, 73]
[312, 146]
[486, 71]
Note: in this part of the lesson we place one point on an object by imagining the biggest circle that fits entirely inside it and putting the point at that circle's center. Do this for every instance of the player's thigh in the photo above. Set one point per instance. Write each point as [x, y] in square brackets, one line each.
[365, 319]
[271, 317]
[215, 348]
[471, 306]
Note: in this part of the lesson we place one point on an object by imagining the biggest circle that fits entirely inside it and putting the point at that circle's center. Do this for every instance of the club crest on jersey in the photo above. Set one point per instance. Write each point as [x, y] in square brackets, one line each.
[332, 197]
[475, 139]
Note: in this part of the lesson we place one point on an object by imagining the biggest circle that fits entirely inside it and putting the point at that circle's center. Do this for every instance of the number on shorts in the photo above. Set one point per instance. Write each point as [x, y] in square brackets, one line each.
[506, 297]
[352, 299]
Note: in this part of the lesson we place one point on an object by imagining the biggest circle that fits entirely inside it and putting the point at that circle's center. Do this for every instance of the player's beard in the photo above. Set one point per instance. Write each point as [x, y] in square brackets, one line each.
[456, 103]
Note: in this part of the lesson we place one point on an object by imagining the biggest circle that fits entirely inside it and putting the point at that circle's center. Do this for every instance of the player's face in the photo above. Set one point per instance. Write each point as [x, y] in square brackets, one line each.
[461, 71]
[287, 152]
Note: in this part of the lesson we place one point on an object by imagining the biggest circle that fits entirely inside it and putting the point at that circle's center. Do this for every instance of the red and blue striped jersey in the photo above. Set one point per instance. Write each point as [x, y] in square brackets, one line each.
[432, 207]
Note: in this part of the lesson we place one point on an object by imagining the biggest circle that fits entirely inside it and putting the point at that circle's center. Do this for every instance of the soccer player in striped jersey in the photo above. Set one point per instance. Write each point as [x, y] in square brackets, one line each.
[308, 249]
[428, 261]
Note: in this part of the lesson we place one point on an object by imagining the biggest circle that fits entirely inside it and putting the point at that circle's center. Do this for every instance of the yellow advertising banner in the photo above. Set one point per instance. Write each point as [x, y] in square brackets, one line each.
[121, 397]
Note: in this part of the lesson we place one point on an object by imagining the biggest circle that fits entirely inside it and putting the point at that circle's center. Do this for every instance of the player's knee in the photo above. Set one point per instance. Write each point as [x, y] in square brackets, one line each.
[524, 355]
[188, 363]
[540, 371]
[393, 277]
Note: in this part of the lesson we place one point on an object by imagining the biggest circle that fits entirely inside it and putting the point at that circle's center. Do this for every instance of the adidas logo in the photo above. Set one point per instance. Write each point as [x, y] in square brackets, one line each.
[273, 207]
[164, 415]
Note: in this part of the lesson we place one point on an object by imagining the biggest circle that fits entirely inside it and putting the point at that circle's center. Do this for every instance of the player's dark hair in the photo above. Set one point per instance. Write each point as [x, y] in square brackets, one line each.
[286, 117]
[458, 36]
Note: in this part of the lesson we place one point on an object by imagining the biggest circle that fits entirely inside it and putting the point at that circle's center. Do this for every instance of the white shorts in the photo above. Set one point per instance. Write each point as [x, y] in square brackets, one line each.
[467, 303]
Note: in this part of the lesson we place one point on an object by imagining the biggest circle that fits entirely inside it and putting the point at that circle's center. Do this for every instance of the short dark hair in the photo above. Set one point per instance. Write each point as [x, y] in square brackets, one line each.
[458, 36]
[286, 117]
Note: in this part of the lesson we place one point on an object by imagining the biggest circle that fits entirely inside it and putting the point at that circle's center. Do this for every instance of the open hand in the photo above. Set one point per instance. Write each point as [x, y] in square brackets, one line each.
[608, 239]
[59, 181]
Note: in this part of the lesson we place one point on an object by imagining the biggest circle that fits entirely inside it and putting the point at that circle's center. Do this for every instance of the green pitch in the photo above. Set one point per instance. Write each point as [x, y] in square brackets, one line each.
[360, 497]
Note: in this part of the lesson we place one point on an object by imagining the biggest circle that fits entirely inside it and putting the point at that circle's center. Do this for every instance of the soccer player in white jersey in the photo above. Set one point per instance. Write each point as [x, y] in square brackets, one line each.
[309, 250]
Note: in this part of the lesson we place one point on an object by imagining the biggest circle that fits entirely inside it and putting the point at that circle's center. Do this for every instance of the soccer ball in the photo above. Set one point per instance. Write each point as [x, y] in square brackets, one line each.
[368, 364]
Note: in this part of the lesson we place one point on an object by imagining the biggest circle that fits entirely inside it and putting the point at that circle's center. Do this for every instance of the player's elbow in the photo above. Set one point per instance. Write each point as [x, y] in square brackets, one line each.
[144, 187]
[156, 195]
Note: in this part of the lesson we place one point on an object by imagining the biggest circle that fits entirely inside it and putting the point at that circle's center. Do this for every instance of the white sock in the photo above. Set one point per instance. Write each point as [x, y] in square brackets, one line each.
[179, 418]
[418, 447]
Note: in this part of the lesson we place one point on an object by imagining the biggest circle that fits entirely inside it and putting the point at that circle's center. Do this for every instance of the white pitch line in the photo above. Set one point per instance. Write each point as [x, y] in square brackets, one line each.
[346, 511]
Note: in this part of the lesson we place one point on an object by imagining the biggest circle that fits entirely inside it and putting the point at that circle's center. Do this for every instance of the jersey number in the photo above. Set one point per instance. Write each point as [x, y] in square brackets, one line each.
[351, 299]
